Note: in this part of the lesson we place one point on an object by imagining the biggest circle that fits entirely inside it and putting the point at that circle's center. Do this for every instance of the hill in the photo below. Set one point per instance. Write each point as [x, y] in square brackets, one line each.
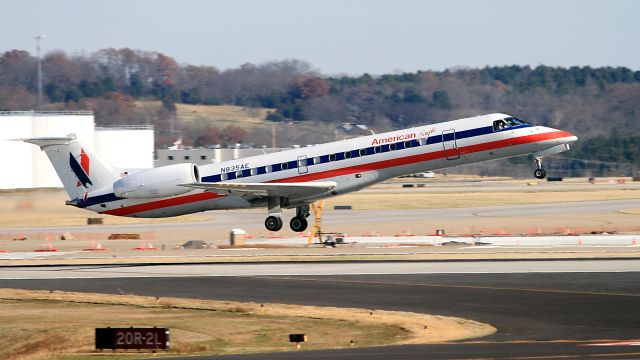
[207, 105]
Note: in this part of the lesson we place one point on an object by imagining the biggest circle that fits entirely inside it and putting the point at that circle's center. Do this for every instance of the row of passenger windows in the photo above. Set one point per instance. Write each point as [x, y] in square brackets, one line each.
[315, 160]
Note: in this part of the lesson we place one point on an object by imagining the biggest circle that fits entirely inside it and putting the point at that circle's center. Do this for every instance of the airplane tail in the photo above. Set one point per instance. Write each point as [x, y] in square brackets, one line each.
[79, 170]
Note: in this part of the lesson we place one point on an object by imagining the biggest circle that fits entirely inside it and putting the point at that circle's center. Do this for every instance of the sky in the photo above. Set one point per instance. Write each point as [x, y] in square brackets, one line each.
[338, 36]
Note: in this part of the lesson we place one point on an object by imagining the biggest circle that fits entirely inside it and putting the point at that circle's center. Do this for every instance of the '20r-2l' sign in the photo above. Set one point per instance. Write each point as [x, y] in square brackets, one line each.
[132, 338]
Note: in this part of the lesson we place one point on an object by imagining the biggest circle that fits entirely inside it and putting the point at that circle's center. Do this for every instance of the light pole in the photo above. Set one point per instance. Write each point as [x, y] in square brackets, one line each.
[38, 38]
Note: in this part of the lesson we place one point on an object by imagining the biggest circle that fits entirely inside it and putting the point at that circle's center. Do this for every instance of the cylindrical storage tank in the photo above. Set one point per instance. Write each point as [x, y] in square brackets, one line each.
[15, 156]
[126, 147]
[62, 123]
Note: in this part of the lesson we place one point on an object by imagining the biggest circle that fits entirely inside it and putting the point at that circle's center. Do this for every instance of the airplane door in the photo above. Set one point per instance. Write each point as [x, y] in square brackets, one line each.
[451, 151]
[302, 164]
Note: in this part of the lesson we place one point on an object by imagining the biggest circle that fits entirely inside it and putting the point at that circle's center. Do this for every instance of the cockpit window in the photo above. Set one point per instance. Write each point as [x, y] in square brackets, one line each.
[512, 121]
[506, 123]
[500, 125]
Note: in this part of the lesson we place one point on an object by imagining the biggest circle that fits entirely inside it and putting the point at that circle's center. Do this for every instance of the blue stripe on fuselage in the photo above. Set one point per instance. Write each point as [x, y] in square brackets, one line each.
[100, 199]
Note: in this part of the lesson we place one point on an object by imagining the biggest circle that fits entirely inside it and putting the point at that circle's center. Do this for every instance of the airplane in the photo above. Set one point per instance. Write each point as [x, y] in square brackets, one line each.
[298, 177]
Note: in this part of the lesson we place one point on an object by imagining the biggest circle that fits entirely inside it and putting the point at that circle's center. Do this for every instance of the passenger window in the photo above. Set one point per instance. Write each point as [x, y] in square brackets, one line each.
[238, 174]
[268, 169]
[363, 152]
[347, 155]
[377, 149]
[254, 171]
[223, 177]
[285, 166]
[423, 141]
[316, 160]
[332, 157]
[392, 147]
[407, 144]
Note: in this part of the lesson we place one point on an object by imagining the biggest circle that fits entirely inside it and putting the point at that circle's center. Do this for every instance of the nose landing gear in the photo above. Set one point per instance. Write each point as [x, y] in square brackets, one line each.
[539, 173]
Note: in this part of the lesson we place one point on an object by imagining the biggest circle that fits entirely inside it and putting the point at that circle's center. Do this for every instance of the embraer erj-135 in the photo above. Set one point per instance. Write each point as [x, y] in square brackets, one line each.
[297, 177]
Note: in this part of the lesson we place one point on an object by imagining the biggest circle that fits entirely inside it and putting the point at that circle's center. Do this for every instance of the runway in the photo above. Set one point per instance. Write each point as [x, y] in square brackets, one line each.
[548, 309]
[225, 219]
[542, 309]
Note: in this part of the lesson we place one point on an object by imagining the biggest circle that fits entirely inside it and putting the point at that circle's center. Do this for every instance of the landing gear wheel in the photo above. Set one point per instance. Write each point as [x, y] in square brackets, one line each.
[540, 173]
[298, 224]
[273, 223]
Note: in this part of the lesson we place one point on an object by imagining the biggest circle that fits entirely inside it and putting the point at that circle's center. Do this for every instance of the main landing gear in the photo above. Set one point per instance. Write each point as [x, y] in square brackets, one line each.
[540, 173]
[299, 222]
[274, 221]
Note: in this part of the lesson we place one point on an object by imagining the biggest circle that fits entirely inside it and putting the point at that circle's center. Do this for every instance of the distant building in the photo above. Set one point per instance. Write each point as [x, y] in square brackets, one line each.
[126, 147]
[26, 166]
[202, 156]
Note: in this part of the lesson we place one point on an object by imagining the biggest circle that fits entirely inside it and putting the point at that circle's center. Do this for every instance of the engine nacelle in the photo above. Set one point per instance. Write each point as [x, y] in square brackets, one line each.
[158, 182]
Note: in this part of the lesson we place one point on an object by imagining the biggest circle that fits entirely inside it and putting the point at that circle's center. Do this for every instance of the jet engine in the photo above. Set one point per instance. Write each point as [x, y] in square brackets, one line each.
[158, 182]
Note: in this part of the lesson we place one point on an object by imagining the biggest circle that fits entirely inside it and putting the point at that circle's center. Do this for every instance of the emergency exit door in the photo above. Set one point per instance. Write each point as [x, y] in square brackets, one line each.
[302, 164]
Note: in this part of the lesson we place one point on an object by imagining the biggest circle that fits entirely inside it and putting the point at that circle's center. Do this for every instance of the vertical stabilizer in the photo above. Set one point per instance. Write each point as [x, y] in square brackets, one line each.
[78, 169]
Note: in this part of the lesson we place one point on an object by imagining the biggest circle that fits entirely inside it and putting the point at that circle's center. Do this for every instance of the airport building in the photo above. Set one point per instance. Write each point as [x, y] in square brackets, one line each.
[26, 166]
[204, 156]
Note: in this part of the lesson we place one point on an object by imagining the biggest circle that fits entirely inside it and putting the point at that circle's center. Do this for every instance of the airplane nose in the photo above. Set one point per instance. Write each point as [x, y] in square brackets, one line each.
[565, 136]
[570, 137]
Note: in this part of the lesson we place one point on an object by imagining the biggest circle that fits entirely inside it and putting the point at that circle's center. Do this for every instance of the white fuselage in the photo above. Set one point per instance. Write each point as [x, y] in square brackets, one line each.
[352, 164]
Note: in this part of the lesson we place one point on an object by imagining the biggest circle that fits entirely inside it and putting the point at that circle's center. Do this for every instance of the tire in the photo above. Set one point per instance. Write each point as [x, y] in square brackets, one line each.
[540, 173]
[273, 223]
[298, 224]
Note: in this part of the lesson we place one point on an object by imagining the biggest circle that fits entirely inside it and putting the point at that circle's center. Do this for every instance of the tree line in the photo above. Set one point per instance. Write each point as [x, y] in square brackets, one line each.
[592, 102]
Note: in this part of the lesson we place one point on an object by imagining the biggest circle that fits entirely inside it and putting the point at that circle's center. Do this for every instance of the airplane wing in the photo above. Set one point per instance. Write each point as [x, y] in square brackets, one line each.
[289, 190]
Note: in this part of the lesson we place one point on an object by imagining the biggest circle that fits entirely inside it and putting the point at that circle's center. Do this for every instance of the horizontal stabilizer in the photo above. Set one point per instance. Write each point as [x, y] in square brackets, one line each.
[45, 142]
[299, 189]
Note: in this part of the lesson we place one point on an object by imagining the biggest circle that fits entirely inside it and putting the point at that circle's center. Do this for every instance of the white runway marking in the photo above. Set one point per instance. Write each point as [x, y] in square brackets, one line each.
[311, 269]
[619, 343]
[32, 255]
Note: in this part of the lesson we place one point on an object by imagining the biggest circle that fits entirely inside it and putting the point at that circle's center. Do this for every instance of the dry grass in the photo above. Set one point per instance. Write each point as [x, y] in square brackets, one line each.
[30, 326]
[253, 120]
[223, 114]
[28, 208]
[412, 199]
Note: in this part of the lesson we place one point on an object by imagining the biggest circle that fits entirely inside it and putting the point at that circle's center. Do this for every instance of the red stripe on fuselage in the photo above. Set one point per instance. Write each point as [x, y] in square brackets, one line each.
[153, 205]
[492, 145]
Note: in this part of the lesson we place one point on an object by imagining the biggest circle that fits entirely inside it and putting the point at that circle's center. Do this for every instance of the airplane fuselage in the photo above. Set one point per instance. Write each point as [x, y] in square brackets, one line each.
[352, 164]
